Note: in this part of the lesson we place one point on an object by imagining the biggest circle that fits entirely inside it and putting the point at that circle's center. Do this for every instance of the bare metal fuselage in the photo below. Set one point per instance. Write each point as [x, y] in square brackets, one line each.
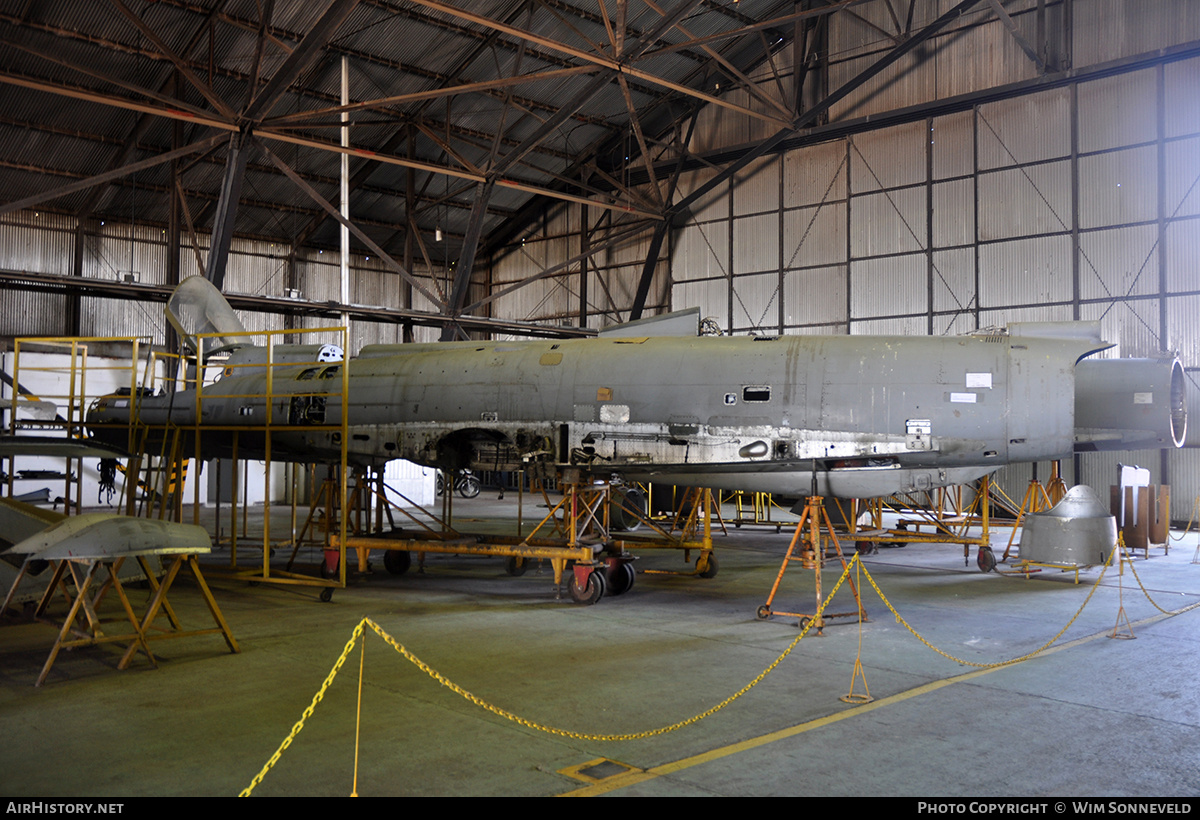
[873, 415]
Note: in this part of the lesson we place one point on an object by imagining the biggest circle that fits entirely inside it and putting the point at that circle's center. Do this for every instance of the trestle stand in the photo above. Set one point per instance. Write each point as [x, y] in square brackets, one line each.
[83, 626]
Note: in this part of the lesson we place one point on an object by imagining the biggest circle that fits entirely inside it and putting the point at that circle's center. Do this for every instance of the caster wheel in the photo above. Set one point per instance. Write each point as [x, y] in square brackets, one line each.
[710, 566]
[621, 578]
[591, 592]
[763, 613]
[515, 565]
[397, 562]
[985, 559]
[326, 595]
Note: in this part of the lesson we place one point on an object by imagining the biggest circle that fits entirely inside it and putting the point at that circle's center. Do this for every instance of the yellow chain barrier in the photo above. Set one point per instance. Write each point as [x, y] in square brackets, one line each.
[358, 630]
[997, 664]
[472, 698]
[433, 673]
[1191, 520]
[1155, 603]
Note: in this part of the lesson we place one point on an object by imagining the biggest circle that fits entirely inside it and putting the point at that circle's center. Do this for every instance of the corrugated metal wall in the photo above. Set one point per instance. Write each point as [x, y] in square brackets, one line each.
[45, 243]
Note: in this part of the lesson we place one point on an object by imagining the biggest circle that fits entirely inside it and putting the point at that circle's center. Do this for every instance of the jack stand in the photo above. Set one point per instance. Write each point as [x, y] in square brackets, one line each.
[1036, 500]
[1056, 488]
[812, 557]
[322, 515]
[695, 503]
[701, 507]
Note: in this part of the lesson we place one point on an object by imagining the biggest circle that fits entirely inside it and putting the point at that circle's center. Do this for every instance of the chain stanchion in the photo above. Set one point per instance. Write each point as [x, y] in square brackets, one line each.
[851, 696]
[362, 661]
[1122, 559]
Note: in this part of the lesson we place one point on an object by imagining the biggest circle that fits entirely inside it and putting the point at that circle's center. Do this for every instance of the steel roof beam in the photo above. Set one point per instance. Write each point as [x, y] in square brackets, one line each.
[604, 60]
[227, 207]
[303, 117]
[1029, 50]
[115, 173]
[354, 229]
[103, 288]
[300, 58]
[181, 64]
[466, 261]
[612, 239]
[776, 22]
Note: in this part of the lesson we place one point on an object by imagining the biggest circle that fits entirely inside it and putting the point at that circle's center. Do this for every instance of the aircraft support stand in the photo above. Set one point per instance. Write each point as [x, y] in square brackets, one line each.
[576, 536]
[1036, 500]
[812, 557]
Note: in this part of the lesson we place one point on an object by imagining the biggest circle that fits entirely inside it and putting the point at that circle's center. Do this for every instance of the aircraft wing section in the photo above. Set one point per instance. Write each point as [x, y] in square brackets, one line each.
[57, 446]
[19, 521]
[105, 536]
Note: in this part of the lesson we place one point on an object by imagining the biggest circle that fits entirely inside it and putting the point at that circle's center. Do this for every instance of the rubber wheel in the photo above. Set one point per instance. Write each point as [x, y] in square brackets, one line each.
[591, 593]
[710, 566]
[326, 595]
[469, 487]
[763, 612]
[621, 578]
[515, 566]
[985, 559]
[397, 562]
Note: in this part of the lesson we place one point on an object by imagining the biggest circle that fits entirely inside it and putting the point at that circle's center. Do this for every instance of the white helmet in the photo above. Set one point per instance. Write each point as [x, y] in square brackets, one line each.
[330, 353]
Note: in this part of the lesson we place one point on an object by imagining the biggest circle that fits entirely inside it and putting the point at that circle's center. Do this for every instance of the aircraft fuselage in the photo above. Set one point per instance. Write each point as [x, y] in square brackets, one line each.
[873, 414]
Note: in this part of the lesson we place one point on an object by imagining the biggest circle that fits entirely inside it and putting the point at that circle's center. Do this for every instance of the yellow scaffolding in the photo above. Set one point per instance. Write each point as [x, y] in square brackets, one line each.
[323, 391]
[70, 407]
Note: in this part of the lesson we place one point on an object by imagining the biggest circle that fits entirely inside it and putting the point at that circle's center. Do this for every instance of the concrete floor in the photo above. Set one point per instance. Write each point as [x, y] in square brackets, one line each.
[1092, 716]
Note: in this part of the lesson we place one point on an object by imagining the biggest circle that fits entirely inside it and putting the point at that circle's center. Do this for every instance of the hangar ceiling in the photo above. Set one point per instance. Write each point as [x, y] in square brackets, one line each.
[464, 119]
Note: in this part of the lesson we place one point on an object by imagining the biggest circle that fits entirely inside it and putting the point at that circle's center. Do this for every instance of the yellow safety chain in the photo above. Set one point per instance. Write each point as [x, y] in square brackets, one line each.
[632, 736]
[433, 673]
[997, 664]
[1191, 520]
[1153, 602]
[855, 562]
[358, 630]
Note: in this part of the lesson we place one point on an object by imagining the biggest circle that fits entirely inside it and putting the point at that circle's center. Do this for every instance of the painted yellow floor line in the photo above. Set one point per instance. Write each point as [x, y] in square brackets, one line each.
[625, 780]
